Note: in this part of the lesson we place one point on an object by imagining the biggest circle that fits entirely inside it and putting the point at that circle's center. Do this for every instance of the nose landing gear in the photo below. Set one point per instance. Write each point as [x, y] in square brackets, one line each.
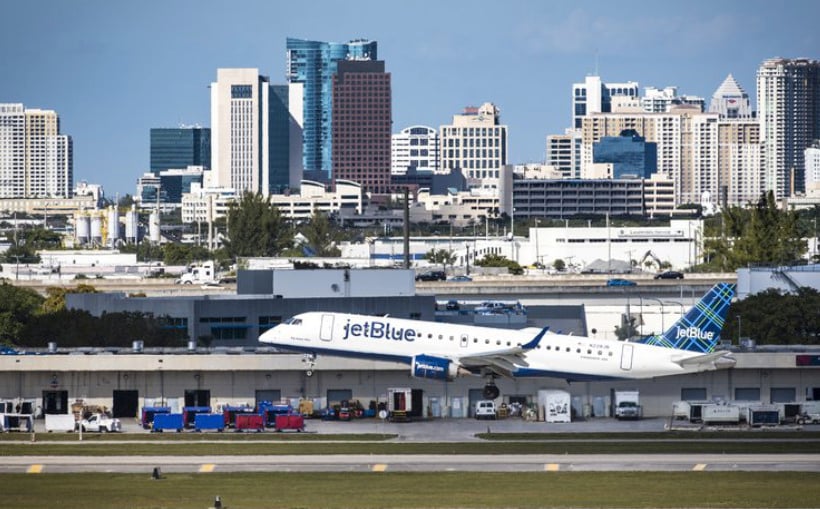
[310, 360]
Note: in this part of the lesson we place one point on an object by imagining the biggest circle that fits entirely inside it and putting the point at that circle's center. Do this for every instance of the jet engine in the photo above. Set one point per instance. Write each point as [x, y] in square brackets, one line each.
[436, 368]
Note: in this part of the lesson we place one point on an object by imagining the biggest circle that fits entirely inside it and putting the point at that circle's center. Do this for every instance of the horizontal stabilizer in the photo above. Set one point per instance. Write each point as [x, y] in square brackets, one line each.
[719, 359]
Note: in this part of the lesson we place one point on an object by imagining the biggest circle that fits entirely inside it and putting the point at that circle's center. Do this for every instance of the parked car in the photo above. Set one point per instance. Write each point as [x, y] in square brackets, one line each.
[452, 305]
[620, 282]
[669, 274]
[460, 279]
[101, 423]
[485, 409]
[433, 275]
[492, 307]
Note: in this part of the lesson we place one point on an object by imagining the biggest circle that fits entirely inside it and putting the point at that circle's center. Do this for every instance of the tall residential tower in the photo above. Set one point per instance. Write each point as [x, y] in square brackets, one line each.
[36, 161]
[788, 102]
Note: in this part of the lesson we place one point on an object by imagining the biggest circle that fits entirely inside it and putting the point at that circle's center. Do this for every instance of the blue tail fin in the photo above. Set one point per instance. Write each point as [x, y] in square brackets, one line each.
[699, 329]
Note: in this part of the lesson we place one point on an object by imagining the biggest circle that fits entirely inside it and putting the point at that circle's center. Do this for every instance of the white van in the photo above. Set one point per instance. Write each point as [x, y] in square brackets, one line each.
[485, 409]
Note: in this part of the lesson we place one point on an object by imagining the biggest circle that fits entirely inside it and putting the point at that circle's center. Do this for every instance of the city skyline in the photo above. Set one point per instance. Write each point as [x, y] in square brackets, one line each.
[112, 72]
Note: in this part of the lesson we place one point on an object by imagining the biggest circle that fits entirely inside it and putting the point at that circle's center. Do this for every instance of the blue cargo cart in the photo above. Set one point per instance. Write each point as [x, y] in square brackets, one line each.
[209, 421]
[189, 413]
[170, 422]
[148, 413]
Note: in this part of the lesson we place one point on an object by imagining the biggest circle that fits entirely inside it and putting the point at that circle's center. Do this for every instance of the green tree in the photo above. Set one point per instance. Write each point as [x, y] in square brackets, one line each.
[256, 228]
[559, 265]
[55, 297]
[441, 257]
[776, 318]
[627, 329]
[17, 307]
[321, 236]
[495, 260]
[762, 234]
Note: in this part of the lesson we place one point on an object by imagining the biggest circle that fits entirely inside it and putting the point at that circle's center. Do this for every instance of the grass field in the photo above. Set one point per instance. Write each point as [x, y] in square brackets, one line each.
[415, 490]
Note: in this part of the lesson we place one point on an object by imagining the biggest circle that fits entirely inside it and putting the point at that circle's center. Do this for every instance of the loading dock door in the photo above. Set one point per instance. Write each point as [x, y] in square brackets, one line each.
[197, 397]
[272, 395]
[55, 402]
[336, 396]
[126, 403]
[626, 357]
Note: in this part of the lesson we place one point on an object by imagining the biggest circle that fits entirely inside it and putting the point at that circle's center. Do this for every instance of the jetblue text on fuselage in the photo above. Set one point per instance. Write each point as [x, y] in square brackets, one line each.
[694, 333]
[378, 330]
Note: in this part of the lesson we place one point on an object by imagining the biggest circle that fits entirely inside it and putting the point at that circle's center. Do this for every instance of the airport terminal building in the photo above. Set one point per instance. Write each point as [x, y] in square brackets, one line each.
[235, 369]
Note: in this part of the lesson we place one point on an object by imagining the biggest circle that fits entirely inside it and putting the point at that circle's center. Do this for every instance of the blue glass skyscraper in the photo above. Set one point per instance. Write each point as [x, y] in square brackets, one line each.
[631, 155]
[178, 148]
[313, 64]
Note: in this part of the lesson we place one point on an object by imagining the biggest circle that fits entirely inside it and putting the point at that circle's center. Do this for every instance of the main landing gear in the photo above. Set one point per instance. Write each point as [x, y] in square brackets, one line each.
[310, 360]
[491, 390]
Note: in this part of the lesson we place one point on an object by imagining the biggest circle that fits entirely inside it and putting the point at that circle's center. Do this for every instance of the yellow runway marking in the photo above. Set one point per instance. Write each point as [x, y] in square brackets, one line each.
[552, 467]
[207, 467]
[379, 467]
[700, 467]
[34, 469]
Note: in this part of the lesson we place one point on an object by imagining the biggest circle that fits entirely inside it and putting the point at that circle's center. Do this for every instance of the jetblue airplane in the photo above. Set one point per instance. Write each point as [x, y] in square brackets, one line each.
[443, 351]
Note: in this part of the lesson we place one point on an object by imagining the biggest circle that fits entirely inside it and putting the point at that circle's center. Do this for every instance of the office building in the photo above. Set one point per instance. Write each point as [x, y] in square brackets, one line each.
[812, 161]
[594, 96]
[415, 147]
[564, 153]
[176, 148]
[730, 101]
[362, 122]
[788, 102]
[240, 133]
[310, 69]
[285, 142]
[36, 161]
[167, 188]
[476, 143]
[630, 154]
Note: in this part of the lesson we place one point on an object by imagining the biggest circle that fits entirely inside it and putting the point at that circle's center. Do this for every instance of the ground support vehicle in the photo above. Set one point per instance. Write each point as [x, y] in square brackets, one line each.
[101, 423]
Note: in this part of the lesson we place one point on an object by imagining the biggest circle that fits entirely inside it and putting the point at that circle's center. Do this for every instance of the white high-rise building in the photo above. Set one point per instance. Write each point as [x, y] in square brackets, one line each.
[788, 102]
[594, 96]
[564, 153]
[656, 100]
[730, 101]
[699, 152]
[415, 147]
[36, 161]
[240, 135]
[812, 158]
[476, 142]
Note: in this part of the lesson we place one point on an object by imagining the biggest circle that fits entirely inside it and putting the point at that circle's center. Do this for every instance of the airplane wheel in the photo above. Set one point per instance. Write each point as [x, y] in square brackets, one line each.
[491, 391]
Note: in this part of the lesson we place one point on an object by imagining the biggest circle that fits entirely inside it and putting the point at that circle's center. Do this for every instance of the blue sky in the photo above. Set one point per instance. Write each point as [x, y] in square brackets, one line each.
[113, 70]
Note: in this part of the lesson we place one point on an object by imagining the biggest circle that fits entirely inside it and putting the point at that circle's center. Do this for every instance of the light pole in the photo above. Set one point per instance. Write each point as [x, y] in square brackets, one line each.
[738, 329]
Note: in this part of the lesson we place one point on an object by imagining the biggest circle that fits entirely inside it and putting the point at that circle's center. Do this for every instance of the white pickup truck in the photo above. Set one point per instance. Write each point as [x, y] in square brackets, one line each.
[101, 423]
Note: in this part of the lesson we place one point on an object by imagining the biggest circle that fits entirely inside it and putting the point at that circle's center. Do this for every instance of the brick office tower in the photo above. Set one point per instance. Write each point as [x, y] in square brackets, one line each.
[362, 124]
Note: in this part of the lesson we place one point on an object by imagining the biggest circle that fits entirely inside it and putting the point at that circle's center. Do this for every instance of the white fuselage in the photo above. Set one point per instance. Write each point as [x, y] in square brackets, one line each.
[557, 355]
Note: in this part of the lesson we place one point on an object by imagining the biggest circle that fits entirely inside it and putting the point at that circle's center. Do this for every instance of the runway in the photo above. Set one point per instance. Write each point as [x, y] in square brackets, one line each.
[415, 463]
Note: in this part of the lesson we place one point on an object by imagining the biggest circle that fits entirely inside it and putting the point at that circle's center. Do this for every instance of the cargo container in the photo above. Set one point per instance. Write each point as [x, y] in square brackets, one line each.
[148, 413]
[270, 411]
[289, 421]
[209, 421]
[189, 413]
[170, 422]
[555, 405]
[720, 414]
[253, 422]
[60, 422]
[229, 414]
[763, 416]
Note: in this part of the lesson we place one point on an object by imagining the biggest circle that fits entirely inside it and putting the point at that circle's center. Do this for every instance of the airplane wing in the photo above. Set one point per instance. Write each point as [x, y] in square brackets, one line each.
[720, 358]
[504, 360]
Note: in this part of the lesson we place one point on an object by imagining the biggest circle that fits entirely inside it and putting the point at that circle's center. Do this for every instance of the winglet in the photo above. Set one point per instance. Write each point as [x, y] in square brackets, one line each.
[537, 339]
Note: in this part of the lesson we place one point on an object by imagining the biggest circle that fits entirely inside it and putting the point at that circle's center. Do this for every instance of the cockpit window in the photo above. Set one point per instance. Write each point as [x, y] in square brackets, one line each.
[293, 321]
